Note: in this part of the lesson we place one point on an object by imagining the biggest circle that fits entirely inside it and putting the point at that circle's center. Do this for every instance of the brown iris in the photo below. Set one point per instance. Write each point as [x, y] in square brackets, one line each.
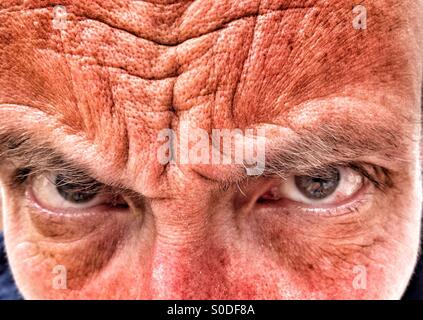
[319, 186]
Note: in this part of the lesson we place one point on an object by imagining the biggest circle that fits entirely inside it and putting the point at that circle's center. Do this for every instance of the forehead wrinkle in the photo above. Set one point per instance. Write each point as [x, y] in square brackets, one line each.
[92, 119]
[92, 112]
[272, 5]
[159, 23]
[167, 24]
[95, 114]
[319, 54]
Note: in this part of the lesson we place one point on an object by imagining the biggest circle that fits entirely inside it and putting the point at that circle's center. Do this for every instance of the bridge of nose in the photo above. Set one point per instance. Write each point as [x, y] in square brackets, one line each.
[190, 255]
[202, 252]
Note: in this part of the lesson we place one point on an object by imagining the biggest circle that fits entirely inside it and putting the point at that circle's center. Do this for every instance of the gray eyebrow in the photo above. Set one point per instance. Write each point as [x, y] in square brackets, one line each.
[27, 152]
[309, 150]
[334, 144]
[33, 157]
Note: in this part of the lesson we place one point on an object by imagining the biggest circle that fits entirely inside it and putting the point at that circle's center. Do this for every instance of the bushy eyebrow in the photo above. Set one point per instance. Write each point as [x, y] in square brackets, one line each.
[32, 157]
[30, 154]
[309, 150]
[334, 144]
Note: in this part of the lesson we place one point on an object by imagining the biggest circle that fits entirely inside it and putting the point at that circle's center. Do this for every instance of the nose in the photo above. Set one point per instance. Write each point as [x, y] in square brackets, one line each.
[194, 271]
[190, 252]
[200, 248]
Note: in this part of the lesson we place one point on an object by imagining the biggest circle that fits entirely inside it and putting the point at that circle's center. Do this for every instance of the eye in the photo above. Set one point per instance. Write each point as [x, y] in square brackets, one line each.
[320, 186]
[75, 192]
[59, 192]
[330, 187]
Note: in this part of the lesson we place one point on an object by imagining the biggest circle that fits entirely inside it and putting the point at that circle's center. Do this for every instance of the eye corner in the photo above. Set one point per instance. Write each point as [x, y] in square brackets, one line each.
[333, 191]
[380, 177]
[21, 175]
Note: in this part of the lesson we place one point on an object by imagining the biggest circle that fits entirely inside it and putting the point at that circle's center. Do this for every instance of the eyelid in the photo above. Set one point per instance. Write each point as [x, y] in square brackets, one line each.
[84, 182]
[348, 184]
[372, 177]
[70, 175]
[380, 177]
[72, 225]
[360, 199]
[349, 205]
[45, 191]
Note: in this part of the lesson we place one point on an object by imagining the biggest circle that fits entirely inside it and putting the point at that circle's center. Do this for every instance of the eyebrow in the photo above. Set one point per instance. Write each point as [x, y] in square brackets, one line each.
[311, 150]
[32, 156]
[304, 153]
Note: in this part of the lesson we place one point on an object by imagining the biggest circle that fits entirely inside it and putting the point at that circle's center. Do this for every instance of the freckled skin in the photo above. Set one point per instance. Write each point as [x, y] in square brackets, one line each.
[116, 81]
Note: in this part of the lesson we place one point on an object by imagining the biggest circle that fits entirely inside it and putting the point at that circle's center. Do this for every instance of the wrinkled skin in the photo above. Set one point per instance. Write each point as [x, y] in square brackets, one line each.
[101, 90]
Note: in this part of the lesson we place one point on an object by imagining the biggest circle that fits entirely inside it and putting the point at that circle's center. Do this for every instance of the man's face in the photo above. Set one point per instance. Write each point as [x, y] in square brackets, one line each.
[89, 209]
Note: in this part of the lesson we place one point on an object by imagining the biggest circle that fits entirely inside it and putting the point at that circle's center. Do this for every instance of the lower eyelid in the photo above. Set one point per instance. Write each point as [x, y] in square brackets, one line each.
[351, 205]
[337, 211]
[46, 196]
[69, 213]
[350, 183]
[70, 227]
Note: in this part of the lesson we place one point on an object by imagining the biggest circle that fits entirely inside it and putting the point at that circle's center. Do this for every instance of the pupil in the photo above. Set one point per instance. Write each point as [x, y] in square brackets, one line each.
[317, 188]
[74, 192]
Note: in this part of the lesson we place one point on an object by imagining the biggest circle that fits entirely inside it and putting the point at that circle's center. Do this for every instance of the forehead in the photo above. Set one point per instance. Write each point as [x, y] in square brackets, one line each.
[137, 67]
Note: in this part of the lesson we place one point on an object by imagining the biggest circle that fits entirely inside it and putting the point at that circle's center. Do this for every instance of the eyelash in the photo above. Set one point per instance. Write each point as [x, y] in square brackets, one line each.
[379, 177]
[22, 175]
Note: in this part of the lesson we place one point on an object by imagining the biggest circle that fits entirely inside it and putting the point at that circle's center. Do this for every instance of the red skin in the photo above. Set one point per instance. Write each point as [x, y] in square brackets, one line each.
[187, 240]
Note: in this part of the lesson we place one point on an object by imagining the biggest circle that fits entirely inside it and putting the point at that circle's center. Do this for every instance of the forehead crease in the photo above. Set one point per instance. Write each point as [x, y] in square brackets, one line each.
[89, 43]
[163, 22]
[140, 67]
[318, 53]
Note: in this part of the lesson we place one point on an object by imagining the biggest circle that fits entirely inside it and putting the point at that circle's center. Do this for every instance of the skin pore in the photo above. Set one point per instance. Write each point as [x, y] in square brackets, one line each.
[84, 105]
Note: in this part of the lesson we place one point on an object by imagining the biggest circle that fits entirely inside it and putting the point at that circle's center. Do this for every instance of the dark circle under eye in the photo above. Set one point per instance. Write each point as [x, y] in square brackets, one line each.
[318, 187]
[76, 192]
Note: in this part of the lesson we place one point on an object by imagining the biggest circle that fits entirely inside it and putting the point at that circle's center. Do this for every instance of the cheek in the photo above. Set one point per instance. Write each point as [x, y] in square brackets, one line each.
[103, 273]
[43, 248]
[266, 257]
[368, 255]
[38, 264]
[335, 272]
